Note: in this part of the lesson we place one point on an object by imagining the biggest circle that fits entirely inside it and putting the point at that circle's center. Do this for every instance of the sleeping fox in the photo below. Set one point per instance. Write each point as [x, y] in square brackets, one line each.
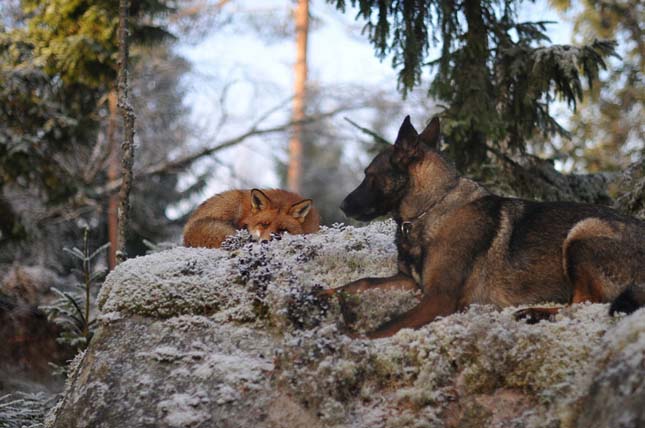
[262, 212]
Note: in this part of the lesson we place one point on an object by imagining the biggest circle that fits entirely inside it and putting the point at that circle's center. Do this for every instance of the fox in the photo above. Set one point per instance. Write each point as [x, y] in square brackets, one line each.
[264, 213]
[460, 244]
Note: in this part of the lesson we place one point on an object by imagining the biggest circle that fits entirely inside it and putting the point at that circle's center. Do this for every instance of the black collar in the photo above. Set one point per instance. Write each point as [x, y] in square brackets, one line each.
[406, 225]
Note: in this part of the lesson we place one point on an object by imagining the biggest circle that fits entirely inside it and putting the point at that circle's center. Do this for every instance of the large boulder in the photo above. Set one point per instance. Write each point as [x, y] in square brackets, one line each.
[236, 337]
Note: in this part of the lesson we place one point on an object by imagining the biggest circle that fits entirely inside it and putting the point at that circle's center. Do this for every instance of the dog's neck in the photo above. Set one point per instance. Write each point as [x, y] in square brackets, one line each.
[433, 185]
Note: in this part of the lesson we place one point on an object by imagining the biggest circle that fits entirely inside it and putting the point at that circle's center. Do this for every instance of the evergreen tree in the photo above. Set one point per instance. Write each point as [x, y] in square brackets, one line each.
[52, 130]
[497, 76]
[608, 131]
[57, 62]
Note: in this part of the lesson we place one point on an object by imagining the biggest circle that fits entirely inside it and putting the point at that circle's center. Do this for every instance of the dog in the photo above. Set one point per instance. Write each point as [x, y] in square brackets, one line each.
[460, 244]
[264, 213]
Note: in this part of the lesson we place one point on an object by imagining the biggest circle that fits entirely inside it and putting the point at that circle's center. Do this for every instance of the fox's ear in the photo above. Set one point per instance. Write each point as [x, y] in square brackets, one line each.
[259, 201]
[430, 135]
[405, 146]
[299, 210]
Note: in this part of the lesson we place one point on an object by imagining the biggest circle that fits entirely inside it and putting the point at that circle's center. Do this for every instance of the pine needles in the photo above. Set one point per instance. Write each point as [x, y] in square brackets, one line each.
[72, 310]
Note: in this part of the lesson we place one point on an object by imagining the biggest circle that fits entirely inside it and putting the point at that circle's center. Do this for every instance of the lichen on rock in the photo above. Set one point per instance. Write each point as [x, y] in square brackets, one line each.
[238, 337]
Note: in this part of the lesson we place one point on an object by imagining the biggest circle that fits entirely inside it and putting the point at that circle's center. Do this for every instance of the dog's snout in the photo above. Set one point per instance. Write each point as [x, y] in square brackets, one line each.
[343, 206]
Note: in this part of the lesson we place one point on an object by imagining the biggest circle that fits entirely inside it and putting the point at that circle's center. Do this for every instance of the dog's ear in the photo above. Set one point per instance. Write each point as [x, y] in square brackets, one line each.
[431, 134]
[259, 201]
[406, 144]
[299, 210]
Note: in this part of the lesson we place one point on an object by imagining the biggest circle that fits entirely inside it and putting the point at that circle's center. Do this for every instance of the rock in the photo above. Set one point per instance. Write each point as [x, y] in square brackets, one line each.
[186, 371]
[223, 338]
[615, 395]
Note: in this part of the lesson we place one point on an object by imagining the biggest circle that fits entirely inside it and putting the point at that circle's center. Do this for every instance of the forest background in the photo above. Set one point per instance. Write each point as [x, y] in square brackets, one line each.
[294, 94]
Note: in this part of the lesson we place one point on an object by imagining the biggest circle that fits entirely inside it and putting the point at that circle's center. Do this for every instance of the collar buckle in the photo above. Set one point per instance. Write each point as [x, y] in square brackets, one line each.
[406, 228]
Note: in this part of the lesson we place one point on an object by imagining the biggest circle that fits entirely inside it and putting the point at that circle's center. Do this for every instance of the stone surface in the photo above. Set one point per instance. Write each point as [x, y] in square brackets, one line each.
[223, 338]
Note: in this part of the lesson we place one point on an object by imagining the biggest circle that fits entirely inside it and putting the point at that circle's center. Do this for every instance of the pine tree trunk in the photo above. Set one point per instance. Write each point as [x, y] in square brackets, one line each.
[127, 146]
[473, 151]
[294, 173]
[112, 174]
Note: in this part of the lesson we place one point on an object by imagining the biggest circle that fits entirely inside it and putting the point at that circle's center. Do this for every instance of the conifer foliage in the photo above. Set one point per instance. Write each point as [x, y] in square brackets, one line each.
[497, 76]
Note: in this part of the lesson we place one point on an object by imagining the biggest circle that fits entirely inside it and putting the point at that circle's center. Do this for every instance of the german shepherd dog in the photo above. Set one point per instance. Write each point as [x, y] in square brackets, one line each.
[459, 244]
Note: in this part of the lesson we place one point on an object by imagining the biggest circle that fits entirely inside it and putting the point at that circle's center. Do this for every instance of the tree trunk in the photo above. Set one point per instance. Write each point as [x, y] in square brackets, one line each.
[112, 174]
[477, 86]
[294, 174]
[127, 145]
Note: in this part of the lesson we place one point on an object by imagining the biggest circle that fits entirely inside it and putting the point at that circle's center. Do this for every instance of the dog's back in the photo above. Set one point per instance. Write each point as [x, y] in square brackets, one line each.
[529, 252]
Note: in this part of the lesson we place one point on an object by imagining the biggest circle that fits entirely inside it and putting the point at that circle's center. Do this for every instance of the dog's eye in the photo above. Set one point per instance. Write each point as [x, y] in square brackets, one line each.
[265, 224]
[282, 230]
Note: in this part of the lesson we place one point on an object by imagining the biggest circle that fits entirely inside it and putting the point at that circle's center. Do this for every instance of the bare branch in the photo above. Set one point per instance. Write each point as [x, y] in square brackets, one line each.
[88, 197]
[182, 162]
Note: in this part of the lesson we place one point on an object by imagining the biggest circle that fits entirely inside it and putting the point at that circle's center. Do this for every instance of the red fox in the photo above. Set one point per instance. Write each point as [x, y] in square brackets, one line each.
[262, 212]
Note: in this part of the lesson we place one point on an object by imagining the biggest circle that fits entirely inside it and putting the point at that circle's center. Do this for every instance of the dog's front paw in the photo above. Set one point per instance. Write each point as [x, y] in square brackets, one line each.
[327, 293]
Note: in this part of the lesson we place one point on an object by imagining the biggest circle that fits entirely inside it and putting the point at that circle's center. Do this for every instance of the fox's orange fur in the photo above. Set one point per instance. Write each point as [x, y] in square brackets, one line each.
[261, 212]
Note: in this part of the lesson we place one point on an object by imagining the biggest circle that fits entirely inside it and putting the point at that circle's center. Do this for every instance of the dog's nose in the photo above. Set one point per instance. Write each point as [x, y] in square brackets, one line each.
[343, 206]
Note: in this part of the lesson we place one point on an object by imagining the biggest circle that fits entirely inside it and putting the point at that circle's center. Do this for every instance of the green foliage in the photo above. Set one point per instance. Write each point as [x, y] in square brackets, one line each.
[39, 117]
[57, 63]
[76, 39]
[496, 74]
[71, 311]
[609, 130]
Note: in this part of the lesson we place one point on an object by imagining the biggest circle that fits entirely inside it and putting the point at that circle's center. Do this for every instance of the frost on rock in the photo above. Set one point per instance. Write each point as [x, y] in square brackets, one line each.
[239, 284]
[238, 337]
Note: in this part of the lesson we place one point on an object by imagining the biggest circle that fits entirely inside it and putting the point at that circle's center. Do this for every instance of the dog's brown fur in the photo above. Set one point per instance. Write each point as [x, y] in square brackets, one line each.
[462, 245]
[264, 213]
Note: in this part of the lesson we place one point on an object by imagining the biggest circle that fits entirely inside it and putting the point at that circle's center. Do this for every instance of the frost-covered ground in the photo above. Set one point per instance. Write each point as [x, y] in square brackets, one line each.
[236, 337]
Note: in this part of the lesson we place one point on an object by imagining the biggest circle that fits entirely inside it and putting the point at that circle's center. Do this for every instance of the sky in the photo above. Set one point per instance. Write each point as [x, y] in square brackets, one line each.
[251, 58]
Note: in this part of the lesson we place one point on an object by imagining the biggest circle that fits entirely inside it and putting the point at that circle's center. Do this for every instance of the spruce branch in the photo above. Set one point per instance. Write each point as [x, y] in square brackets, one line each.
[377, 138]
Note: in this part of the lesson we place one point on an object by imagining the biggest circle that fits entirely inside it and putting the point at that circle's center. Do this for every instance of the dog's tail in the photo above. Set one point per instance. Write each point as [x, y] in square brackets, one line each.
[632, 298]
